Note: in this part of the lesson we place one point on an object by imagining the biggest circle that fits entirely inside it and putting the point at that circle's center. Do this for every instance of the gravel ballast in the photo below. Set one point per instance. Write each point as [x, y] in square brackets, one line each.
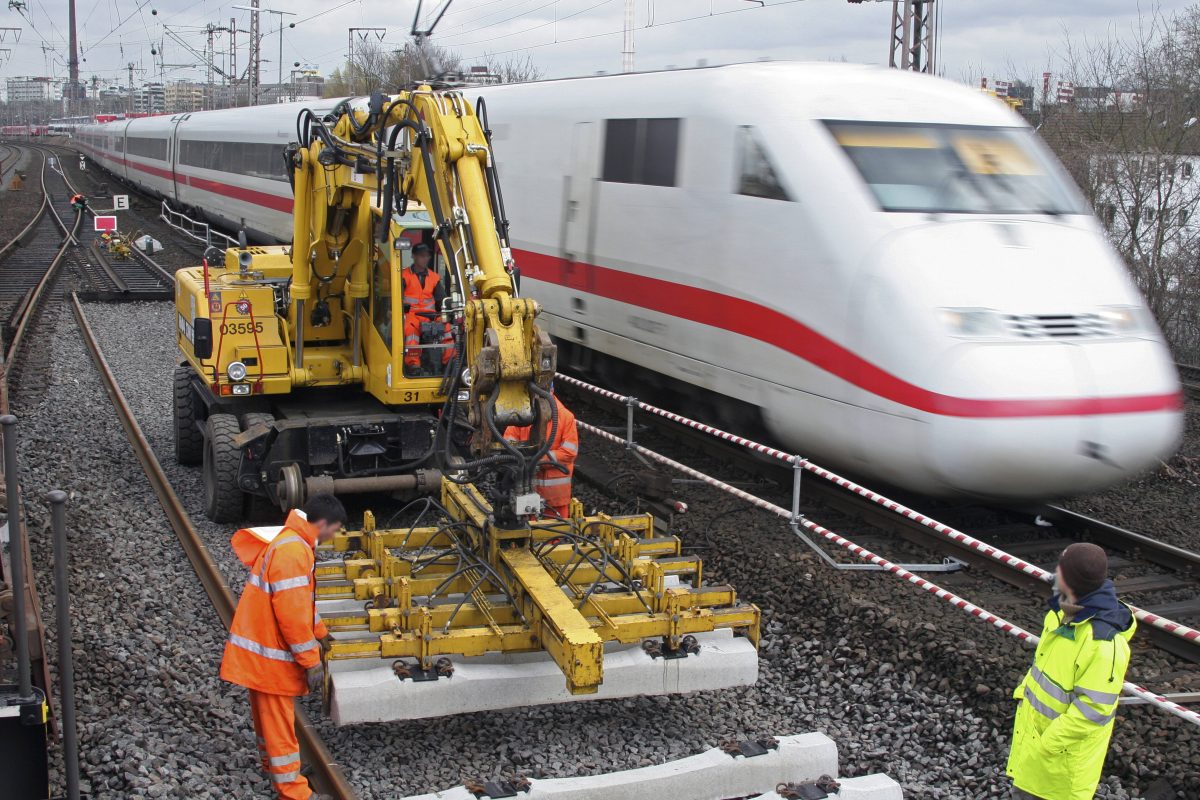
[902, 682]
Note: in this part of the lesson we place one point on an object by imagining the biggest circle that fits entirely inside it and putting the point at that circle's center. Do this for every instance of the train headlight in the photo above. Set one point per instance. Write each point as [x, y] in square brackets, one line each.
[236, 371]
[1124, 319]
[971, 322]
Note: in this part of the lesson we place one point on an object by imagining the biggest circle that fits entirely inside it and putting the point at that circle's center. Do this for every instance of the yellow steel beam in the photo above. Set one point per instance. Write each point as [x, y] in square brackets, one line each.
[564, 632]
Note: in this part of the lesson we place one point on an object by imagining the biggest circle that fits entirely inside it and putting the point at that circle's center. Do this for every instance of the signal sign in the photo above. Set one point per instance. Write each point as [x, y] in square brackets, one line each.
[105, 223]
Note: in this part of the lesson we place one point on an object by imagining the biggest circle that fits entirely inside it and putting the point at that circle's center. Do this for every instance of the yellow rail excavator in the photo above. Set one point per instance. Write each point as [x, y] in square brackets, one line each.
[305, 370]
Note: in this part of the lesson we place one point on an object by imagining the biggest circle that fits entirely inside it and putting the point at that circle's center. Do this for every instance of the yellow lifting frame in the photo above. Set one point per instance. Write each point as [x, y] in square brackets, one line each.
[541, 593]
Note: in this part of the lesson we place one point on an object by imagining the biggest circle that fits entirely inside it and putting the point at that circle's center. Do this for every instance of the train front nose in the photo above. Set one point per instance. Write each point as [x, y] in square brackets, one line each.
[1053, 419]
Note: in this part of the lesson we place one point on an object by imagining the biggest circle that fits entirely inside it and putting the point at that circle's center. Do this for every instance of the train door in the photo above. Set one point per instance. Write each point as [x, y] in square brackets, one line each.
[579, 213]
[173, 155]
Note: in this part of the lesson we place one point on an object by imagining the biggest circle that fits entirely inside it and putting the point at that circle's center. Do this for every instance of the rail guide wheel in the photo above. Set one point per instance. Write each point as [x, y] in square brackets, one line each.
[291, 488]
[223, 499]
[189, 439]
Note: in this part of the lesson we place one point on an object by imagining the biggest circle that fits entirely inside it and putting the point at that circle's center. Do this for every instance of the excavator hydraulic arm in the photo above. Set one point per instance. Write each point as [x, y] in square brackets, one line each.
[428, 147]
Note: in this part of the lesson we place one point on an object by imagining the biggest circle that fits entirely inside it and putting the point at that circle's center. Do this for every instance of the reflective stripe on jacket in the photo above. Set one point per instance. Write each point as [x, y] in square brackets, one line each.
[273, 638]
[1069, 699]
[550, 483]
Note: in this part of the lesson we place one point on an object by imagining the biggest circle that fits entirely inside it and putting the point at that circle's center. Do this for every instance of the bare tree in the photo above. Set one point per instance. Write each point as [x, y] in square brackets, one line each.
[1131, 140]
[376, 67]
[514, 69]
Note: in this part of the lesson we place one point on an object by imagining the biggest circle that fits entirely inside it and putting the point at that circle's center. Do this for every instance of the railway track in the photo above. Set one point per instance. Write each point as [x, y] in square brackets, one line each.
[30, 263]
[112, 278]
[1162, 579]
[327, 776]
[10, 155]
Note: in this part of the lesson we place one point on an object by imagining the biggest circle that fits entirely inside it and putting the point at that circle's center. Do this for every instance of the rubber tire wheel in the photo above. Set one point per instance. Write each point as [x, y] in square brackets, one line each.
[256, 418]
[223, 498]
[189, 439]
[259, 509]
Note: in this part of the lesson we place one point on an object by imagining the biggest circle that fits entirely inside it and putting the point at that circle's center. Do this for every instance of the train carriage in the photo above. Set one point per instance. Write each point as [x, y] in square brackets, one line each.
[887, 270]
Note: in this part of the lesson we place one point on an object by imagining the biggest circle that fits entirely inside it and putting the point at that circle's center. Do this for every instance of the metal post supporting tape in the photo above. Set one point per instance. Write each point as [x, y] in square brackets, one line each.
[896, 569]
[16, 552]
[996, 554]
[66, 663]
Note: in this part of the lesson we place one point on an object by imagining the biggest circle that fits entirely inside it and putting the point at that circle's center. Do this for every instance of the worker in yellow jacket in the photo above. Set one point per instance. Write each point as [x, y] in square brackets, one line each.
[274, 646]
[1069, 696]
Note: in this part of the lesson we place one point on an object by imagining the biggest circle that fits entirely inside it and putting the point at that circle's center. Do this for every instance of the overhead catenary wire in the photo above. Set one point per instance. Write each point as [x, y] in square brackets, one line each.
[502, 21]
[540, 25]
[619, 31]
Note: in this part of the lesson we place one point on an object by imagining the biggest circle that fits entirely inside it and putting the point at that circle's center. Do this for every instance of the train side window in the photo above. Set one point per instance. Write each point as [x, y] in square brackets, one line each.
[756, 173]
[644, 151]
[620, 150]
[661, 152]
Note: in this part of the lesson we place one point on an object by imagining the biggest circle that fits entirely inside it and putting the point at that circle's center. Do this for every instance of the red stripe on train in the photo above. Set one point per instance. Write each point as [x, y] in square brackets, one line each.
[264, 199]
[755, 321]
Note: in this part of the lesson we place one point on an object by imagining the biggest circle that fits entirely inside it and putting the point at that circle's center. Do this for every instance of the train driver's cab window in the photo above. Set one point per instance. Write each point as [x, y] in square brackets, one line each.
[644, 151]
[756, 173]
[956, 168]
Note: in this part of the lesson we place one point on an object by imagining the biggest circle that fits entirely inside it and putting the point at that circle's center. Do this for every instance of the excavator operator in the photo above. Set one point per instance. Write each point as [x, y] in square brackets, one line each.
[423, 296]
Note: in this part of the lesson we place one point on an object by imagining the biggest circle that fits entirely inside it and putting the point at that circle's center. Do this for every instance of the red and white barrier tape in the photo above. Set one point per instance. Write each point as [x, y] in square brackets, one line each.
[866, 555]
[1170, 626]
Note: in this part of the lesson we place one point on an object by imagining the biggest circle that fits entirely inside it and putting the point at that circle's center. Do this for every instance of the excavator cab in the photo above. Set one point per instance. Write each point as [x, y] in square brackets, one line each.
[411, 366]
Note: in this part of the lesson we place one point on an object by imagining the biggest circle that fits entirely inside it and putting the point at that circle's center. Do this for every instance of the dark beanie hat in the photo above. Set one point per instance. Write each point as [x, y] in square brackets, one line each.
[1084, 567]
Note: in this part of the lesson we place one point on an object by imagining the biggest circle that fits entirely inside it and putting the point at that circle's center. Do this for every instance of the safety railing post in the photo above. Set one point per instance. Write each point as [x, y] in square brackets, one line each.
[797, 474]
[66, 664]
[630, 405]
[16, 552]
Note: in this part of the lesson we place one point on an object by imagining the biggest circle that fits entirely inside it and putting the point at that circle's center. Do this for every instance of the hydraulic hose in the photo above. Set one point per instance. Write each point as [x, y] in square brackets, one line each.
[546, 395]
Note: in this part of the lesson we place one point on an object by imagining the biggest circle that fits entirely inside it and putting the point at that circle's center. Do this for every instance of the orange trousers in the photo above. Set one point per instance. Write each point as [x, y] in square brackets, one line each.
[274, 718]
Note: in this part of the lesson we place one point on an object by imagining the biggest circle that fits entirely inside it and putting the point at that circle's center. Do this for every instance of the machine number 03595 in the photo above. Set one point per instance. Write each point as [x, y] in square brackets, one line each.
[241, 327]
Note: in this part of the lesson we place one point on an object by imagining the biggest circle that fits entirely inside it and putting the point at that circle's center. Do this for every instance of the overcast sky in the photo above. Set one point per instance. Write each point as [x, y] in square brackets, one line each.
[567, 37]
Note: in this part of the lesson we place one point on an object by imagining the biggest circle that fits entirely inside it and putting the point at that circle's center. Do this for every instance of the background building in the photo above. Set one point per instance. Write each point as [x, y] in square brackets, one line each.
[29, 90]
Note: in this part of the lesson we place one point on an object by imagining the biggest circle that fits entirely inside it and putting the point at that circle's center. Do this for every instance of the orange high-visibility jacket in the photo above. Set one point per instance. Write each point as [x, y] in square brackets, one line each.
[273, 638]
[552, 485]
[421, 295]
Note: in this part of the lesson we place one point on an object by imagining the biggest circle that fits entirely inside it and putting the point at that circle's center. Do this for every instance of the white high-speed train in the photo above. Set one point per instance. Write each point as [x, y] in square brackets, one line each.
[889, 270]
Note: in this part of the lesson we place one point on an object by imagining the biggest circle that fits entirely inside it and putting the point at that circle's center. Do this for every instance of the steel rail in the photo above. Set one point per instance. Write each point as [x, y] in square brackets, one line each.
[28, 311]
[328, 776]
[37, 216]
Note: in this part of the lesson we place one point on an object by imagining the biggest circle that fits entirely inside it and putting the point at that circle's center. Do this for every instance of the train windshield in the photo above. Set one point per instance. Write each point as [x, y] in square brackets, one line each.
[956, 169]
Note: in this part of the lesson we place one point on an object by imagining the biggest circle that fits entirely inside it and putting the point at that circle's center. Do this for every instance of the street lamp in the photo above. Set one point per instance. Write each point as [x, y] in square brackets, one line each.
[279, 80]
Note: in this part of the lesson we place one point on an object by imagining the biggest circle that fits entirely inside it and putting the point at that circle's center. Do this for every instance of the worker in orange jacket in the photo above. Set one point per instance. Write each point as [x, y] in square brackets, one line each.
[274, 648]
[423, 296]
[551, 483]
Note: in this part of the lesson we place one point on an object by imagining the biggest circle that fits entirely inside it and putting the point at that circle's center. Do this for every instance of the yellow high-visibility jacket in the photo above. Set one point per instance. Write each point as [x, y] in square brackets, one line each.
[1069, 698]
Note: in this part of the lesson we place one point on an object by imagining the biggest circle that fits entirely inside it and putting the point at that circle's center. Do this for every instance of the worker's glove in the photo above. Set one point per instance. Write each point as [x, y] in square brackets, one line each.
[316, 678]
[326, 642]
